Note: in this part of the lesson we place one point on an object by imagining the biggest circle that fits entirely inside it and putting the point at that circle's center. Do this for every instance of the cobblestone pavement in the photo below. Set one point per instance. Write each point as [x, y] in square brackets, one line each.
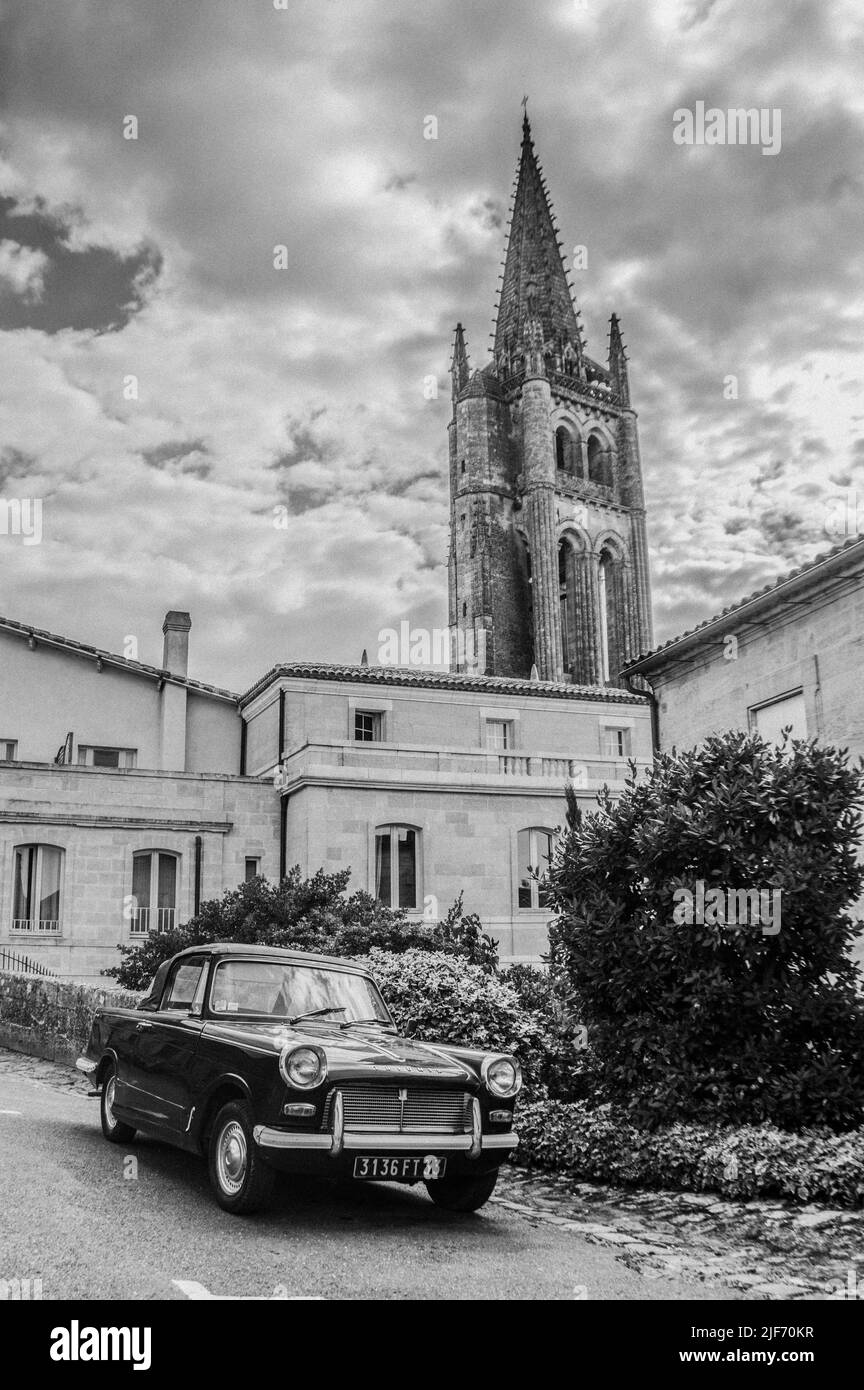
[768, 1249]
[763, 1249]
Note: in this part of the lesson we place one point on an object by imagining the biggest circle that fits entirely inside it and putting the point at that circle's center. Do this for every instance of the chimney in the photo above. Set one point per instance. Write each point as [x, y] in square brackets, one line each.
[175, 651]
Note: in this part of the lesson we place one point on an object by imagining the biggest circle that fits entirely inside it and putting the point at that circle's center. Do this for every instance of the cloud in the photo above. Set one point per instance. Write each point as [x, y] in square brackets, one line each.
[22, 269]
[168, 389]
[56, 285]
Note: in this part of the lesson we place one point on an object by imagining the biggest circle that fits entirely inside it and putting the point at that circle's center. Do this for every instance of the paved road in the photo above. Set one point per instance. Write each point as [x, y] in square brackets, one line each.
[69, 1216]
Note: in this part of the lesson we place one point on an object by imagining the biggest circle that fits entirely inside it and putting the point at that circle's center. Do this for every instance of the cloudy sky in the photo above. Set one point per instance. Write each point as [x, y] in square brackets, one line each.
[302, 388]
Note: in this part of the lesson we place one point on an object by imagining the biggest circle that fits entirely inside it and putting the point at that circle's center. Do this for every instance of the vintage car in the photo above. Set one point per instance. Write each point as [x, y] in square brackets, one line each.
[264, 1059]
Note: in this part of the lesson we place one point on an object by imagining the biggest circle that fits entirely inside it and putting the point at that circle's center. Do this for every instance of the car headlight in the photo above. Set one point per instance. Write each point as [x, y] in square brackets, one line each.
[502, 1075]
[303, 1067]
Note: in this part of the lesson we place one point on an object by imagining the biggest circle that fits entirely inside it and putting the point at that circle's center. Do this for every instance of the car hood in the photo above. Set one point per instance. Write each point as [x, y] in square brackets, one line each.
[370, 1049]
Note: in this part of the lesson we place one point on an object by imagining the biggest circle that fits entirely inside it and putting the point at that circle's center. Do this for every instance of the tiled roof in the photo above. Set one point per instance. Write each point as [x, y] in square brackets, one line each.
[440, 680]
[136, 668]
[761, 597]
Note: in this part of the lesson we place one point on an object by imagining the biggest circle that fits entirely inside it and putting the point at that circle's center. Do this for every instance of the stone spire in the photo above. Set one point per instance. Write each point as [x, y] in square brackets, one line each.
[618, 374]
[459, 369]
[534, 285]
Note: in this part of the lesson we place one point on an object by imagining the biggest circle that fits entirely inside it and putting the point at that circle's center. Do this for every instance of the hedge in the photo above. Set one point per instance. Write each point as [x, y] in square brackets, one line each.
[446, 999]
[601, 1145]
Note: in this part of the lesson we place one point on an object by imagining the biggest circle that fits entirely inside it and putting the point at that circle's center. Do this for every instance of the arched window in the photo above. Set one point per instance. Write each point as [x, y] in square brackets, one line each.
[565, 599]
[564, 450]
[534, 848]
[38, 884]
[154, 891]
[599, 466]
[612, 615]
[397, 865]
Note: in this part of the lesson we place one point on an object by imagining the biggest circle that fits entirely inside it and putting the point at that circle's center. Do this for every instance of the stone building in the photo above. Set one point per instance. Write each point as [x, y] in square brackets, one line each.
[790, 655]
[548, 557]
[130, 793]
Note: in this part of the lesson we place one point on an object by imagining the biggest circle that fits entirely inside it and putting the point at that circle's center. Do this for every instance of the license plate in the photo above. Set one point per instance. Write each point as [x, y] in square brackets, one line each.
[414, 1168]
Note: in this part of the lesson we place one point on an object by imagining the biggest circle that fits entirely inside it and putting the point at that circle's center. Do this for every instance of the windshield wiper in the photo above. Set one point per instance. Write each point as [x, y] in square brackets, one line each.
[318, 1013]
[353, 1022]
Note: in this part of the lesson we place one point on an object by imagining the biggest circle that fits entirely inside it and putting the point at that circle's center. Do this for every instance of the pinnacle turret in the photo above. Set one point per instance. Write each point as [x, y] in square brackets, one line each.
[459, 367]
[618, 374]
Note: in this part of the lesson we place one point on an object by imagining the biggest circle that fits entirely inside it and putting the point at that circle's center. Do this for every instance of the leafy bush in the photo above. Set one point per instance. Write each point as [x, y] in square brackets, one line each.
[603, 1145]
[560, 1066]
[312, 914]
[443, 998]
[461, 933]
[716, 1022]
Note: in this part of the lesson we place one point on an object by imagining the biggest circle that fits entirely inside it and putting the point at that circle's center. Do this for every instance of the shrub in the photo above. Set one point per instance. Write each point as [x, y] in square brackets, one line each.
[717, 1022]
[461, 933]
[560, 1065]
[443, 998]
[313, 914]
[603, 1145]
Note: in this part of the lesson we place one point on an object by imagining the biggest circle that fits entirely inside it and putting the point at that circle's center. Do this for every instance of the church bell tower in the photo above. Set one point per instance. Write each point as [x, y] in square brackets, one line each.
[548, 564]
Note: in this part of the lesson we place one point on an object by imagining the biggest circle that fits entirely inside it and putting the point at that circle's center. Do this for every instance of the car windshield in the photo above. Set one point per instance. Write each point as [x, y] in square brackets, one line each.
[271, 990]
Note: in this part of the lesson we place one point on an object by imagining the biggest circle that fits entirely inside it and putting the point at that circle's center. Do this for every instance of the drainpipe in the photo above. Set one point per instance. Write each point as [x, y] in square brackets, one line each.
[654, 706]
[243, 727]
[283, 829]
[197, 874]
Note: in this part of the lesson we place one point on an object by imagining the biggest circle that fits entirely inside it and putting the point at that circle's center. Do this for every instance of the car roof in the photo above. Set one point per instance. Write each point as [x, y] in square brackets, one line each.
[275, 953]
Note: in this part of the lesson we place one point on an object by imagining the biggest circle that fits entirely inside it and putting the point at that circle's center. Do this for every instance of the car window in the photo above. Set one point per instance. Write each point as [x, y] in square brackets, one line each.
[184, 984]
[271, 989]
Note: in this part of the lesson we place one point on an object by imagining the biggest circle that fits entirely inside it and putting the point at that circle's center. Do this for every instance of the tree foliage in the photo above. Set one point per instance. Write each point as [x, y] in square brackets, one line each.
[708, 1020]
[311, 914]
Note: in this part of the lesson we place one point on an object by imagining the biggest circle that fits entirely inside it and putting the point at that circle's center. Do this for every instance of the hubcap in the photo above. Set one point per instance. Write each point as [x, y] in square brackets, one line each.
[231, 1158]
[109, 1103]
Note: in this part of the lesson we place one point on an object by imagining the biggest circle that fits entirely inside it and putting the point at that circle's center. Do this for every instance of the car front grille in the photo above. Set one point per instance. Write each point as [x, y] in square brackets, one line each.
[402, 1110]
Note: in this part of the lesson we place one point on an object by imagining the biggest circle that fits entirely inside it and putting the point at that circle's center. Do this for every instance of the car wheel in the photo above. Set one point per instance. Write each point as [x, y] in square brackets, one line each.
[462, 1194]
[115, 1131]
[241, 1179]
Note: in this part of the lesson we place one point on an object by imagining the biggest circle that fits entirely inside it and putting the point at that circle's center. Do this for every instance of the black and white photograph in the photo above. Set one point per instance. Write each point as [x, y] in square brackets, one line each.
[432, 667]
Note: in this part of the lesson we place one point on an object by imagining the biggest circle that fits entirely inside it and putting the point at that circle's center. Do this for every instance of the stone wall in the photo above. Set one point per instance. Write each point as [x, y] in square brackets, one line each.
[49, 1018]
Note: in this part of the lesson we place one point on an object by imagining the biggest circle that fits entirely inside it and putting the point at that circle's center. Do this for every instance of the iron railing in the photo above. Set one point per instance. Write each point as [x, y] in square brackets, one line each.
[14, 964]
[156, 919]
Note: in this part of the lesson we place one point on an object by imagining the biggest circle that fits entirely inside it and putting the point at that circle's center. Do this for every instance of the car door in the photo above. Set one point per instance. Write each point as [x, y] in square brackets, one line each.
[165, 1043]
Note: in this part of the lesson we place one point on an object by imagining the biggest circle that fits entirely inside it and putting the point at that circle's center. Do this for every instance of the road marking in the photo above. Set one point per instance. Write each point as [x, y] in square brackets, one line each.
[10, 1112]
[190, 1288]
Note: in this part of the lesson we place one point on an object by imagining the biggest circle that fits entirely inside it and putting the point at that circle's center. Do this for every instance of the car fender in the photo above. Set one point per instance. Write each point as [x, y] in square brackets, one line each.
[224, 1079]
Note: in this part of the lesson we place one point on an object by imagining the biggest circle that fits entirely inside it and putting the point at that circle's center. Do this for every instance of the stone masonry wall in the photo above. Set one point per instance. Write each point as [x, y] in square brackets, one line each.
[49, 1018]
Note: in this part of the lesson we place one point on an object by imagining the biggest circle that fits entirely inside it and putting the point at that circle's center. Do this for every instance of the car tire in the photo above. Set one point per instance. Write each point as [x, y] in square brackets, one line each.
[462, 1194]
[241, 1179]
[115, 1131]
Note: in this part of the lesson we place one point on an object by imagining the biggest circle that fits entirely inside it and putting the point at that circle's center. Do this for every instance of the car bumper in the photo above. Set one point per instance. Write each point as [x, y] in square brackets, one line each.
[384, 1143]
[84, 1064]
